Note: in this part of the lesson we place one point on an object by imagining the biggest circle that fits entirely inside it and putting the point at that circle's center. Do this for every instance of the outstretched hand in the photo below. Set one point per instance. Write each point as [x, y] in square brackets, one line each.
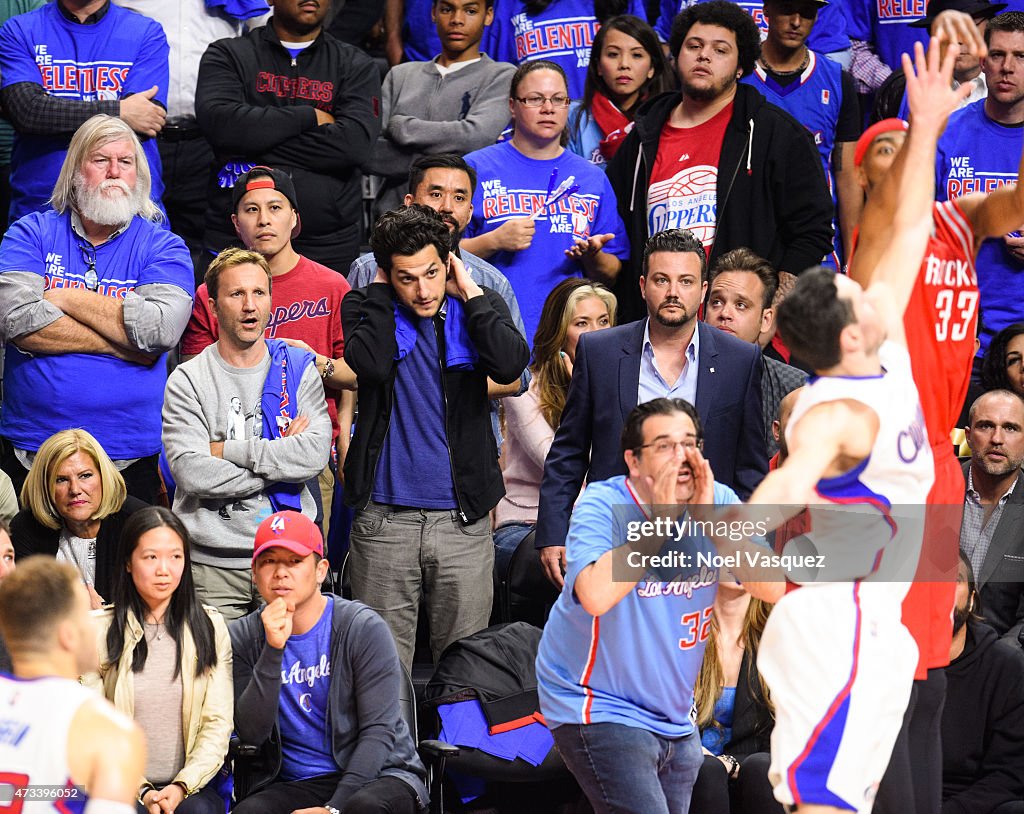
[930, 94]
[959, 27]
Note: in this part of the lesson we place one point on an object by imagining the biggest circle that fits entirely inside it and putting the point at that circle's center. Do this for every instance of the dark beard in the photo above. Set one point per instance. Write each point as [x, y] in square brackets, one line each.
[960, 617]
[707, 94]
[670, 322]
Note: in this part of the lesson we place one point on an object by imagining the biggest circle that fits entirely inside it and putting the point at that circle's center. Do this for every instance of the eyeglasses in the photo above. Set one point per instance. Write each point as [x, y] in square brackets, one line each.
[664, 447]
[536, 100]
[92, 281]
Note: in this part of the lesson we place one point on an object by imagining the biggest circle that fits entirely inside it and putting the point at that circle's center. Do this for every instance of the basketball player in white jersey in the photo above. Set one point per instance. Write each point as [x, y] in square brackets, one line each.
[835, 654]
[63, 748]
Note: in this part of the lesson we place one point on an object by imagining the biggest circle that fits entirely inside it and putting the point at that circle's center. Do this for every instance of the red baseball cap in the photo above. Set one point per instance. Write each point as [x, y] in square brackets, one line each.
[290, 530]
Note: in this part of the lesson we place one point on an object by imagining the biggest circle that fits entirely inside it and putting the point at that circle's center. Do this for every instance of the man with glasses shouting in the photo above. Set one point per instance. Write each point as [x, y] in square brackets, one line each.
[623, 646]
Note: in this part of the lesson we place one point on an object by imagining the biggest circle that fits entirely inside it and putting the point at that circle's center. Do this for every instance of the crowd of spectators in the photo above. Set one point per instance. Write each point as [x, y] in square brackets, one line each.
[401, 296]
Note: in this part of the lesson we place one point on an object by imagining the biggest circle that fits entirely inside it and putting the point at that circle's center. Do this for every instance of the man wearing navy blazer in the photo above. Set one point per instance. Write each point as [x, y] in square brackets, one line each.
[669, 354]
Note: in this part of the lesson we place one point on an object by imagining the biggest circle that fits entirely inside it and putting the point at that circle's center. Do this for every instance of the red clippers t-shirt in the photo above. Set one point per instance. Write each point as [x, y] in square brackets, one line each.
[683, 191]
[305, 304]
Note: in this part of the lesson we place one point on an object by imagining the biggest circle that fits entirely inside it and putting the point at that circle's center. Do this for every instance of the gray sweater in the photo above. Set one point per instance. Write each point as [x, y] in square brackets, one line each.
[425, 112]
[221, 500]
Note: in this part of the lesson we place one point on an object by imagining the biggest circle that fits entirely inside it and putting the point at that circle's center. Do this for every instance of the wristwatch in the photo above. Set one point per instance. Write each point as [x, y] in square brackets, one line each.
[328, 370]
[332, 810]
[734, 766]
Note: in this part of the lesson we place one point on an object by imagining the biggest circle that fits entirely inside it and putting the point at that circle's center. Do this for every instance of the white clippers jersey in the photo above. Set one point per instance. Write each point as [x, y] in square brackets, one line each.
[35, 716]
[876, 508]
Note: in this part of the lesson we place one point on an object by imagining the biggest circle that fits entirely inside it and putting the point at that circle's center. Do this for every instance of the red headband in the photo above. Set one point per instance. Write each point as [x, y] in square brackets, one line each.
[873, 132]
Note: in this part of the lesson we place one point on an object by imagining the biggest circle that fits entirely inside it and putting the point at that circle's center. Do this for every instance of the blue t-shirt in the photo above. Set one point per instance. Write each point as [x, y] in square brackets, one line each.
[302, 708]
[828, 35]
[562, 33]
[510, 185]
[118, 402]
[886, 24]
[713, 739]
[976, 154]
[637, 664]
[419, 34]
[122, 54]
[415, 468]
[814, 100]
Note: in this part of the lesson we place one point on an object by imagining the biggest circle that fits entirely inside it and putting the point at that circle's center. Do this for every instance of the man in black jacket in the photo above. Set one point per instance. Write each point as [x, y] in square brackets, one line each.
[982, 747]
[719, 160]
[422, 469]
[290, 96]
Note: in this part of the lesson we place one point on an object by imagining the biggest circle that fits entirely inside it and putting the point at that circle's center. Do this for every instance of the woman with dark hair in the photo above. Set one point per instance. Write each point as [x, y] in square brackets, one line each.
[75, 505]
[1002, 367]
[540, 212]
[627, 67]
[166, 662]
[573, 308]
[734, 710]
[561, 31]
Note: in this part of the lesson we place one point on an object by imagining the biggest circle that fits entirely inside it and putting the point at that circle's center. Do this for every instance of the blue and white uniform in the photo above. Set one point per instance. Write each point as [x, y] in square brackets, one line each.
[835, 654]
[814, 100]
[121, 54]
[510, 185]
[35, 717]
[636, 664]
[976, 154]
[119, 402]
[562, 33]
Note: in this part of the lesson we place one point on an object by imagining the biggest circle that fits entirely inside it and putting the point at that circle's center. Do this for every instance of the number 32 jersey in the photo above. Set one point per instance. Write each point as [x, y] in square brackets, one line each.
[941, 320]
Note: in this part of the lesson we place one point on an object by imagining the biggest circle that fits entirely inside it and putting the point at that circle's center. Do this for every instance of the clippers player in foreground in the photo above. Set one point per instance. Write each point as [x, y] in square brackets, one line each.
[835, 654]
[62, 747]
[941, 322]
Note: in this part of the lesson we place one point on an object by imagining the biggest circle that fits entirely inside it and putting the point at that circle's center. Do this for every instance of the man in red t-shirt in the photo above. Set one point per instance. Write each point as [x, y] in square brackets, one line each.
[941, 322]
[719, 160]
[305, 296]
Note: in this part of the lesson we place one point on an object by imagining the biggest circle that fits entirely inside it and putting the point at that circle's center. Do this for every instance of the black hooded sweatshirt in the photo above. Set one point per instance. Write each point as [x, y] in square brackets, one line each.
[983, 725]
[772, 194]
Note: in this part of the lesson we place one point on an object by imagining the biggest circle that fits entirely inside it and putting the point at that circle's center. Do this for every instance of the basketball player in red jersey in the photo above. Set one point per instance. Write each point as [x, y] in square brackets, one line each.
[940, 322]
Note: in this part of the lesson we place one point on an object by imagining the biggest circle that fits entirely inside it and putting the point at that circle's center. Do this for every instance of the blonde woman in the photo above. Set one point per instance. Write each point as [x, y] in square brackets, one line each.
[574, 307]
[75, 505]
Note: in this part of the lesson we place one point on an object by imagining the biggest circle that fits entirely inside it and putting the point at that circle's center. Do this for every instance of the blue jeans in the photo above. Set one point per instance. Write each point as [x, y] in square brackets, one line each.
[625, 770]
[506, 540]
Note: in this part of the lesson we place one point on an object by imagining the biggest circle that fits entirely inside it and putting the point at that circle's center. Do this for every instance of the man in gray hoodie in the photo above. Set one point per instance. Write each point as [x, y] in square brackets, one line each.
[227, 486]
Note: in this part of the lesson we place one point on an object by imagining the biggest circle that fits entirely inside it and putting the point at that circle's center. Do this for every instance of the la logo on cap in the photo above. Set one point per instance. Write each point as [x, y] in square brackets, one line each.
[277, 523]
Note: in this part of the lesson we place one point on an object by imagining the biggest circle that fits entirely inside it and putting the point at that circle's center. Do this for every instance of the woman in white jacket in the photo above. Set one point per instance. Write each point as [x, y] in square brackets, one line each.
[166, 662]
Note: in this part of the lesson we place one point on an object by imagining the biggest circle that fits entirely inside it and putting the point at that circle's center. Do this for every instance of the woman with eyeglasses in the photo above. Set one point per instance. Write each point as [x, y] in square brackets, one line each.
[542, 214]
[562, 31]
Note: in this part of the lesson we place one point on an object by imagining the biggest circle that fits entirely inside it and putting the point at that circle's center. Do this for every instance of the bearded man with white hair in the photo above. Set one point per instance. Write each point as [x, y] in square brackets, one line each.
[93, 293]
